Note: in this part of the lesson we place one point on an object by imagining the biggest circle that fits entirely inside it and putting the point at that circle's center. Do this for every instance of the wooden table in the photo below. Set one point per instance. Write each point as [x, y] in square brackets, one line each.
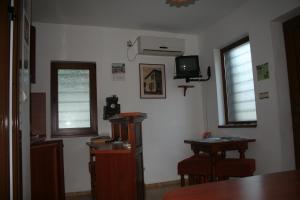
[277, 186]
[216, 145]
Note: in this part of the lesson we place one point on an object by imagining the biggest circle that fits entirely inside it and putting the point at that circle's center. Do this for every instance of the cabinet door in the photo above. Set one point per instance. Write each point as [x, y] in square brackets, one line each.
[38, 114]
[47, 176]
[115, 178]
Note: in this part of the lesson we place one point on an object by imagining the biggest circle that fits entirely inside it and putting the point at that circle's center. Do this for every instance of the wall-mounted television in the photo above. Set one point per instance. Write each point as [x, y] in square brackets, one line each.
[187, 67]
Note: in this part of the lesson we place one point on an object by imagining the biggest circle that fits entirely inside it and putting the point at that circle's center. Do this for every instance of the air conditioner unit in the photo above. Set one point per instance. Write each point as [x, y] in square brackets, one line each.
[159, 46]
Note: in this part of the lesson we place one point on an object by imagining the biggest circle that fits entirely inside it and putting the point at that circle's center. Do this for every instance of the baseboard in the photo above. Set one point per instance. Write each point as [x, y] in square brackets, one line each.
[76, 194]
[162, 184]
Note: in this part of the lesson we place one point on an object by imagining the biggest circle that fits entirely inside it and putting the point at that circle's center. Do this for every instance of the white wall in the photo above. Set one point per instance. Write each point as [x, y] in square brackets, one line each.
[273, 149]
[169, 121]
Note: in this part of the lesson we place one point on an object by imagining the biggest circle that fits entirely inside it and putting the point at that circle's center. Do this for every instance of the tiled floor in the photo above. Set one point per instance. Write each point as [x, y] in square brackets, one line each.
[157, 193]
[151, 194]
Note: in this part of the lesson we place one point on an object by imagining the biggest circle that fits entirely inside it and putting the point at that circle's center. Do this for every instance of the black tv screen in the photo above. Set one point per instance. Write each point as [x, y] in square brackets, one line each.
[187, 67]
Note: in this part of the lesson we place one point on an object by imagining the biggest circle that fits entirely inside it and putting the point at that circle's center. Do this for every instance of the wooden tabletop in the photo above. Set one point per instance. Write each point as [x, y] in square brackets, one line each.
[216, 140]
[218, 144]
[128, 116]
[277, 186]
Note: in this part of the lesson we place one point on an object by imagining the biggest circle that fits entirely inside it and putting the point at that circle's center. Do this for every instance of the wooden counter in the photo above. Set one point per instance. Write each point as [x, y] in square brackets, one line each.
[117, 171]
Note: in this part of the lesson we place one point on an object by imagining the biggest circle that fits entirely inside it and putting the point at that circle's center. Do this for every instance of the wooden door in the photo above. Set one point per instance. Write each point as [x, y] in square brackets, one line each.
[4, 99]
[292, 43]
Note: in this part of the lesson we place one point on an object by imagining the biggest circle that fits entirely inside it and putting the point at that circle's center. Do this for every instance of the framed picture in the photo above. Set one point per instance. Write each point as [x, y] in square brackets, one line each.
[118, 71]
[263, 72]
[152, 81]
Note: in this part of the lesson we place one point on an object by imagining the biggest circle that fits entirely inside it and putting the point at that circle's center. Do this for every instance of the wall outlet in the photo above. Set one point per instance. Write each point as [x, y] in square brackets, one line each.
[263, 95]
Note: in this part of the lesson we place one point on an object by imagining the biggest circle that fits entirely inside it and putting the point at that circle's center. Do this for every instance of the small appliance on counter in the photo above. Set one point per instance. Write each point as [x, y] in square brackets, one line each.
[112, 107]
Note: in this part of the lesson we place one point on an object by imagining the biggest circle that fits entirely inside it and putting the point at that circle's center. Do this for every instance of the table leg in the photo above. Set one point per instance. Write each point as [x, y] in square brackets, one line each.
[223, 154]
[242, 153]
[195, 150]
[182, 180]
[213, 166]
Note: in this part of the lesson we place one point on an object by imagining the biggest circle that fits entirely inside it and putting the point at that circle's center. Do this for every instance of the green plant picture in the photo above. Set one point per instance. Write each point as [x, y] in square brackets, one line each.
[262, 72]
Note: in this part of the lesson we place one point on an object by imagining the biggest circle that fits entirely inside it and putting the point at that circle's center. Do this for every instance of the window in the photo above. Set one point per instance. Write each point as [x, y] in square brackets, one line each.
[73, 99]
[238, 86]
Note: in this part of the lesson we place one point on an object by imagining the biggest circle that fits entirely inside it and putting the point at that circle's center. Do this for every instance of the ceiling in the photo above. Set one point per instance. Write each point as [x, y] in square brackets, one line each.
[134, 14]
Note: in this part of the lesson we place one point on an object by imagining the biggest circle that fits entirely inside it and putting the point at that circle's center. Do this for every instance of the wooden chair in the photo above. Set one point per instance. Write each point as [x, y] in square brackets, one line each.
[197, 167]
[232, 167]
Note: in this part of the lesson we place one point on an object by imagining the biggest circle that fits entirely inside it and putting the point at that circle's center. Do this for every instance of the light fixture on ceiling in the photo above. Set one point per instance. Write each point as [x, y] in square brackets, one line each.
[179, 3]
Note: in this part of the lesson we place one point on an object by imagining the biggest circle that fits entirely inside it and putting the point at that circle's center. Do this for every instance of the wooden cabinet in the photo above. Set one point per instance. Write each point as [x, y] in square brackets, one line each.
[47, 170]
[117, 167]
[128, 127]
[115, 175]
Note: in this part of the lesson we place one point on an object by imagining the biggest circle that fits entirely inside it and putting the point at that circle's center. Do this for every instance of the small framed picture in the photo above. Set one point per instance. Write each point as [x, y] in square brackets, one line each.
[118, 71]
[152, 81]
[262, 72]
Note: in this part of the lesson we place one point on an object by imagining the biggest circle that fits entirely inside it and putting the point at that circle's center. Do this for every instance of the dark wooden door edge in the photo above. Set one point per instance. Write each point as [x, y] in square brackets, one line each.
[17, 137]
[292, 38]
[4, 100]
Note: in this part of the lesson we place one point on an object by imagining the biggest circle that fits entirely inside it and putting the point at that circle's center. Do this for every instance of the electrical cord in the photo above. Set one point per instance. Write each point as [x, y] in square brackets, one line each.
[129, 45]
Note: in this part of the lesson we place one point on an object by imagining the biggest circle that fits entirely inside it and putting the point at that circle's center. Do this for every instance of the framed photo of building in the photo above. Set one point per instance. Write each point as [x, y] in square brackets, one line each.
[152, 81]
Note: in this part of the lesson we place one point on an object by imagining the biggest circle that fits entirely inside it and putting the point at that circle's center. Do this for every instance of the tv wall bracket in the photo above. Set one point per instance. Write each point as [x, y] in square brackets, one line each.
[187, 80]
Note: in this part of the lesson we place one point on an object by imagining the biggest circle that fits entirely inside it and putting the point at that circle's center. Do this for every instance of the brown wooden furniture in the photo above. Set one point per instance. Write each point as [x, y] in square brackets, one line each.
[115, 174]
[232, 167]
[218, 146]
[277, 186]
[117, 170]
[47, 170]
[96, 143]
[197, 167]
[38, 114]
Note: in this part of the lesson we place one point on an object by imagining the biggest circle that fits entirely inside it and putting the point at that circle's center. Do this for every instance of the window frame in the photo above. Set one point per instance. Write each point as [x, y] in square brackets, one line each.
[73, 132]
[233, 124]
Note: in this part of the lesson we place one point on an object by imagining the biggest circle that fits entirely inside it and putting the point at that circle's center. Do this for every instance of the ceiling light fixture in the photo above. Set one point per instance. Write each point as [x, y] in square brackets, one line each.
[179, 3]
